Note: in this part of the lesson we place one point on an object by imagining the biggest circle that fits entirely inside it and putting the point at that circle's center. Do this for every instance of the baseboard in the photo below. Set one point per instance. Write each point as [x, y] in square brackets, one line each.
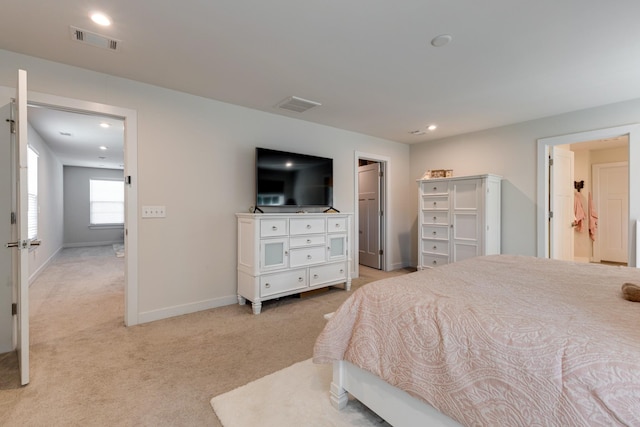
[44, 265]
[179, 310]
[581, 259]
[89, 244]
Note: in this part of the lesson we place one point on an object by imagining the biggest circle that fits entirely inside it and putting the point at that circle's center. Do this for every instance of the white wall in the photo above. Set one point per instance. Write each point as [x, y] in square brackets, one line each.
[50, 205]
[511, 151]
[196, 157]
[76, 208]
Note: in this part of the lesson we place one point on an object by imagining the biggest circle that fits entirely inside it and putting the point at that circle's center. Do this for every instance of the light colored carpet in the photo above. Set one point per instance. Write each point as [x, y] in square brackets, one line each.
[118, 248]
[294, 396]
[88, 369]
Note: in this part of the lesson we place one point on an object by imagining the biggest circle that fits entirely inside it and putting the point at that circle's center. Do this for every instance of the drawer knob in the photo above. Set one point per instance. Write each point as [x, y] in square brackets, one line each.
[337, 225]
[308, 256]
[300, 279]
[435, 188]
[435, 247]
[308, 226]
[274, 228]
[435, 262]
[341, 271]
[434, 219]
[308, 240]
[315, 276]
[286, 253]
[267, 285]
[434, 233]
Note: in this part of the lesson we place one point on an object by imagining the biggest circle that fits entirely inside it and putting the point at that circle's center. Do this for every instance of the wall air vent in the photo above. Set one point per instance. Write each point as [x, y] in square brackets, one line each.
[94, 39]
[299, 105]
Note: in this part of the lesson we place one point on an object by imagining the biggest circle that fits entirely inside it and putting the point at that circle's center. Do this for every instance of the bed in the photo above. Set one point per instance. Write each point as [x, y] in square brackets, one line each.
[495, 340]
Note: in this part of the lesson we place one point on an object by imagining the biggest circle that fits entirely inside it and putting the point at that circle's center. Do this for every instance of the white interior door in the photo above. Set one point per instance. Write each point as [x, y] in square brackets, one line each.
[369, 215]
[611, 197]
[561, 203]
[21, 243]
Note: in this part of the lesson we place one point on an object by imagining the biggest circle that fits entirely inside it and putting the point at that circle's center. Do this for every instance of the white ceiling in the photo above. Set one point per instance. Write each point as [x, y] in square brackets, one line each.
[369, 62]
[76, 138]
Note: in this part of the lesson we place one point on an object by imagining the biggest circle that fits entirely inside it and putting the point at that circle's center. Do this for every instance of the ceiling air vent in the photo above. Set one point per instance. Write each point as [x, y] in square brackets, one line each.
[299, 105]
[94, 39]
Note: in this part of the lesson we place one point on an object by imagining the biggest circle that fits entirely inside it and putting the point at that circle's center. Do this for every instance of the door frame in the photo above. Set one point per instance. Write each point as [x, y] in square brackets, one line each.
[131, 189]
[384, 202]
[633, 133]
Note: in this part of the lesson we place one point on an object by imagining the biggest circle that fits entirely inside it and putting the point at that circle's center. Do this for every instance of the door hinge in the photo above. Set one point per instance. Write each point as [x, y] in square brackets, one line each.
[380, 252]
[13, 218]
[127, 179]
[14, 309]
[12, 125]
[381, 213]
[381, 174]
[550, 161]
[550, 214]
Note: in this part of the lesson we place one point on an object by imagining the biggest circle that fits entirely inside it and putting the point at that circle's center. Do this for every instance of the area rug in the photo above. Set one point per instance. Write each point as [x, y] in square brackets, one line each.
[294, 396]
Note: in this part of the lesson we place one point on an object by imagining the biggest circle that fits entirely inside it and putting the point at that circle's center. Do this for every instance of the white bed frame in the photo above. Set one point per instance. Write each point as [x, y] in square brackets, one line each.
[395, 406]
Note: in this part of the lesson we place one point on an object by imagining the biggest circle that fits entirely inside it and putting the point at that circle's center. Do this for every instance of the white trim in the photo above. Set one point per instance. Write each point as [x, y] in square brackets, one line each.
[386, 217]
[91, 244]
[131, 190]
[633, 132]
[179, 310]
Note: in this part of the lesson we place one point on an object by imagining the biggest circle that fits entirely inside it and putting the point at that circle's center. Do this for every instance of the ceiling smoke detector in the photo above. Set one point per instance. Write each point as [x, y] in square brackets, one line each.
[94, 39]
[299, 105]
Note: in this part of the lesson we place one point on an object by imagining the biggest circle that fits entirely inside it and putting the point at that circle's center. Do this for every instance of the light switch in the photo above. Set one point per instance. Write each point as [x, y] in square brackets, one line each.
[154, 212]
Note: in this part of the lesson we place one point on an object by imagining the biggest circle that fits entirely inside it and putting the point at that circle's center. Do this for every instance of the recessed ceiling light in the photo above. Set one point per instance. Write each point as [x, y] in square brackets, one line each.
[288, 164]
[100, 19]
[441, 40]
[105, 125]
[432, 127]
[103, 147]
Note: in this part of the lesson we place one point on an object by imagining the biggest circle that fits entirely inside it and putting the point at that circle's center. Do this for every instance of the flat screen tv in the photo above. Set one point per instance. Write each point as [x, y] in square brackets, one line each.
[292, 179]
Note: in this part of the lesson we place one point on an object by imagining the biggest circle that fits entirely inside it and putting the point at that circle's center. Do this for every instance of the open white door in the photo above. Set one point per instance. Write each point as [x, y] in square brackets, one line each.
[21, 243]
[561, 204]
[369, 246]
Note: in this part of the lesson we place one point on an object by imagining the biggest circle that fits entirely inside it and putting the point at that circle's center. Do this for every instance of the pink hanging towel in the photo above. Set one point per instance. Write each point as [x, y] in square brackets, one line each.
[578, 211]
[593, 219]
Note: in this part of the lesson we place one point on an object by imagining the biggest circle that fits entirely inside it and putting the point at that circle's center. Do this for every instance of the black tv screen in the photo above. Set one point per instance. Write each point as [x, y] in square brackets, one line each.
[291, 179]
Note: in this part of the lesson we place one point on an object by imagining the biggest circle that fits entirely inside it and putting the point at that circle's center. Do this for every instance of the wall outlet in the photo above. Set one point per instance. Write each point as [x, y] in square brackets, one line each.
[154, 212]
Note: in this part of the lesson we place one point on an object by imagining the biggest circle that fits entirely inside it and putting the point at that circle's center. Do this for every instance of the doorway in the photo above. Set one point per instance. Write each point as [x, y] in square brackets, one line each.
[605, 138]
[371, 219]
[129, 117]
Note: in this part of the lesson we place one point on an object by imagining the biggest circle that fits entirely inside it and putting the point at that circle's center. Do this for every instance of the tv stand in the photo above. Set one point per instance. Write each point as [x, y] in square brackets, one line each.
[284, 254]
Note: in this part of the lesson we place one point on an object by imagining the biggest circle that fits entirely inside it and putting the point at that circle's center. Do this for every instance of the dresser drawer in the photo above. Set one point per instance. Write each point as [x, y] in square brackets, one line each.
[327, 273]
[435, 217]
[273, 227]
[431, 260]
[307, 225]
[435, 232]
[336, 225]
[434, 187]
[276, 283]
[435, 202]
[307, 256]
[303, 241]
[440, 247]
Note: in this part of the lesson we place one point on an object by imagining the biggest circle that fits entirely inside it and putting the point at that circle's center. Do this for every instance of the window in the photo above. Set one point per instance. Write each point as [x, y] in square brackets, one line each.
[32, 193]
[106, 202]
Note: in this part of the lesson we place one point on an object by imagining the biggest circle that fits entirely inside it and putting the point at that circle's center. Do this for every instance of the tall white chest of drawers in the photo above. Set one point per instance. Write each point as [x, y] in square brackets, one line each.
[458, 218]
[285, 254]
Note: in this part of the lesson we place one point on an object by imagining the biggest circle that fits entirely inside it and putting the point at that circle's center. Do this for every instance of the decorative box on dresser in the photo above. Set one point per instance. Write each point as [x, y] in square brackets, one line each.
[285, 254]
[459, 218]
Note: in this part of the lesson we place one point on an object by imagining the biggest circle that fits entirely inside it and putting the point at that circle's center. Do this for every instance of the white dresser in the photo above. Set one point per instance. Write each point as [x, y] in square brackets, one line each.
[458, 218]
[285, 254]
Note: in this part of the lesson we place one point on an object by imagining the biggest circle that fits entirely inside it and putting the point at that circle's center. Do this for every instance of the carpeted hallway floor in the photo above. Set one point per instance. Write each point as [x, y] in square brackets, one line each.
[88, 369]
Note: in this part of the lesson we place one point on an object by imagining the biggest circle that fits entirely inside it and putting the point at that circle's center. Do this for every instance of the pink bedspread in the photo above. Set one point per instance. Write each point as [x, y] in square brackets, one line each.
[500, 340]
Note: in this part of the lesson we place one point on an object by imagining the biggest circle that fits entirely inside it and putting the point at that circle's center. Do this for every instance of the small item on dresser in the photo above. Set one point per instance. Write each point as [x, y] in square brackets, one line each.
[631, 292]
